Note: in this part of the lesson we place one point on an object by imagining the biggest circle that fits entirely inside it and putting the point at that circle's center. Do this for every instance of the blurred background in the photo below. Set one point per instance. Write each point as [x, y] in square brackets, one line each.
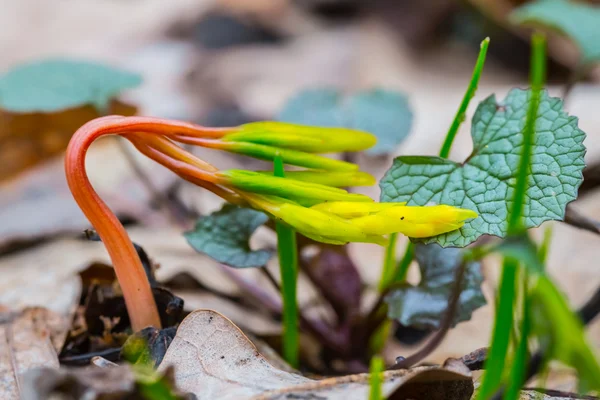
[226, 62]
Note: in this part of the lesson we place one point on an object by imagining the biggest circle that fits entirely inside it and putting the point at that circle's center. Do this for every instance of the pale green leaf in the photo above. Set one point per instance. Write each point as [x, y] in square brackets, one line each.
[578, 21]
[384, 113]
[485, 181]
[224, 234]
[58, 84]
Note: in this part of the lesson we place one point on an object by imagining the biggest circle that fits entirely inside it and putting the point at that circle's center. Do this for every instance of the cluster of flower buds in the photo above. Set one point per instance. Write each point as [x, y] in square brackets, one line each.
[310, 200]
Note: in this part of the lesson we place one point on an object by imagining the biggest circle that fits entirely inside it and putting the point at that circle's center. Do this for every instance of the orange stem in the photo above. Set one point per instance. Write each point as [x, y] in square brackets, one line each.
[137, 293]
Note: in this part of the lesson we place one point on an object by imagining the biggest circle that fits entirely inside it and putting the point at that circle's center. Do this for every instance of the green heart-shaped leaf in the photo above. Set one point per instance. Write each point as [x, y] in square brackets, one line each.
[485, 181]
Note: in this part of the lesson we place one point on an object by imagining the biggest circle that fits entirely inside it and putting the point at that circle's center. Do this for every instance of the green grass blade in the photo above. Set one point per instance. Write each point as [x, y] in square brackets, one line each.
[375, 380]
[288, 264]
[504, 321]
[537, 76]
[494, 366]
[387, 273]
[460, 114]
[407, 258]
[519, 364]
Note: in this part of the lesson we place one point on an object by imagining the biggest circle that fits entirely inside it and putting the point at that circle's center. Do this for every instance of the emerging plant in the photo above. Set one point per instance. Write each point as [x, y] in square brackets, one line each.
[309, 201]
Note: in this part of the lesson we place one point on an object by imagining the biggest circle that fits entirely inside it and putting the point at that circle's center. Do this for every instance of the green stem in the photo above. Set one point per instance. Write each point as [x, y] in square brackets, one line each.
[389, 263]
[288, 264]
[402, 269]
[503, 323]
[375, 380]
[494, 366]
[519, 364]
[460, 114]
[537, 74]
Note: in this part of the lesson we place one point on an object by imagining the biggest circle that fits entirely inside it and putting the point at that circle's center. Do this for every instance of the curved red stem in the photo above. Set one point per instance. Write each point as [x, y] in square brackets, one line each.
[139, 300]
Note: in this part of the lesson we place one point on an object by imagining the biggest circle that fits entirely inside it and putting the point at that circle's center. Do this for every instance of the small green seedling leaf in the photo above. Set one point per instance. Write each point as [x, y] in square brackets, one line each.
[560, 328]
[578, 21]
[384, 113]
[224, 234]
[59, 84]
[425, 305]
[485, 181]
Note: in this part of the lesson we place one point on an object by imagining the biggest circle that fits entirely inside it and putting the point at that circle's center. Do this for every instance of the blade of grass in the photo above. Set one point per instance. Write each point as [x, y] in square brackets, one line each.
[504, 320]
[288, 264]
[520, 360]
[375, 380]
[460, 114]
[402, 268]
[389, 262]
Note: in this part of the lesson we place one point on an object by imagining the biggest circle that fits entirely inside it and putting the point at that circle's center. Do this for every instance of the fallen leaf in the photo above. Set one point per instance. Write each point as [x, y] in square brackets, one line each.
[112, 382]
[28, 340]
[334, 273]
[212, 358]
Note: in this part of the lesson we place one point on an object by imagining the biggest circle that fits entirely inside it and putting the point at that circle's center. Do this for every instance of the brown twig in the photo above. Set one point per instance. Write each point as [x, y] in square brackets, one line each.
[445, 325]
[577, 220]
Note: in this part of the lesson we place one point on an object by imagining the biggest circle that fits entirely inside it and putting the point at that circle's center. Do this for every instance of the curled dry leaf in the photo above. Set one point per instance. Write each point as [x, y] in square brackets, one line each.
[28, 340]
[212, 358]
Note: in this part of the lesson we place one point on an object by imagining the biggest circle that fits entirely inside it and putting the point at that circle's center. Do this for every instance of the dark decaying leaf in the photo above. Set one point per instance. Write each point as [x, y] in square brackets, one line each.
[112, 383]
[102, 323]
[425, 305]
[148, 346]
[485, 181]
[337, 278]
[220, 31]
[224, 234]
[103, 302]
[384, 113]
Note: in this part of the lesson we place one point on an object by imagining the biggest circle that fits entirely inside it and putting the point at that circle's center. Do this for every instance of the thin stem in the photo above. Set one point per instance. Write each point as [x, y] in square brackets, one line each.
[288, 264]
[538, 73]
[494, 365]
[387, 272]
[460, 114]
[404, 264]
[375, 380]
[504, 320]
[445, 324]
[519, 362]
[137, 293]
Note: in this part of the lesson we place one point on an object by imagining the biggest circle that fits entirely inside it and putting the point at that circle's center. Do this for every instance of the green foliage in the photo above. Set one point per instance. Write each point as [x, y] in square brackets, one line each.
[384, 113]
[485, 181]
[579, 21]
[57, 84]
[375, 379]
[562, 330]
[224, 234]
[288, 265]
[425, 305]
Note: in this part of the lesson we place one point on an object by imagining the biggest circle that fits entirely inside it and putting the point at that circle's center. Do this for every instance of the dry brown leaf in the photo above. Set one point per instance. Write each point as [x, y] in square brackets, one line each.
[28, 340]
[213, 359]
[29, 138]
